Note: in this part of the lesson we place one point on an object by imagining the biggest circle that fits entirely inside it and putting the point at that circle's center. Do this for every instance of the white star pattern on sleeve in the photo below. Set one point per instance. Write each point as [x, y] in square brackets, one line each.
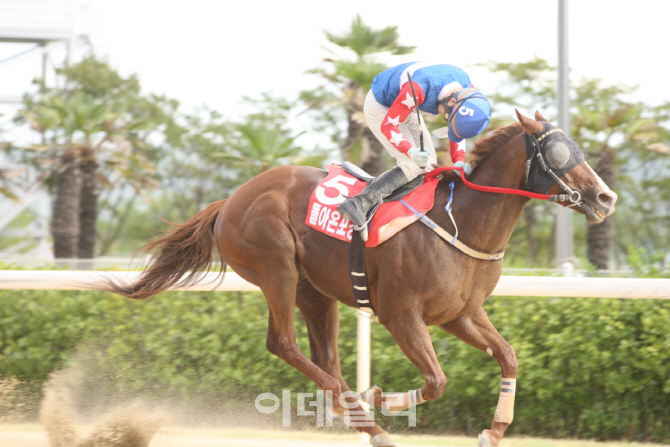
[396, 138]
[409, 101]
[395, 121]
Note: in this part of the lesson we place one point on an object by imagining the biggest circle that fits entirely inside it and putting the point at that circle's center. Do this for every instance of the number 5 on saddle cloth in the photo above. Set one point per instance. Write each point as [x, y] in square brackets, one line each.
[346, 180]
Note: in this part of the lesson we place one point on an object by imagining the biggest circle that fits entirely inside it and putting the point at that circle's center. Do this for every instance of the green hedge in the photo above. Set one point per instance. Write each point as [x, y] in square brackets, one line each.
[589, 368]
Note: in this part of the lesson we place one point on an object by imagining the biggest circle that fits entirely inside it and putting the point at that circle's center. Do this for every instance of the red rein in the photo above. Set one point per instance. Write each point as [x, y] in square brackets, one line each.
[435, 172]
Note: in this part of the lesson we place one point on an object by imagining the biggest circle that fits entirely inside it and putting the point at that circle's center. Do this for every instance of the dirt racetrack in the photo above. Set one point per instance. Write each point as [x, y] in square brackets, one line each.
[39, 439]
[65, 422]
[34, 435]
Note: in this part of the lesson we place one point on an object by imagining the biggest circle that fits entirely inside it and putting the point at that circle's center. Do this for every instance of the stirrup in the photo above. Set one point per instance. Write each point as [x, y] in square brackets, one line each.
[363, 230]
[355, 209]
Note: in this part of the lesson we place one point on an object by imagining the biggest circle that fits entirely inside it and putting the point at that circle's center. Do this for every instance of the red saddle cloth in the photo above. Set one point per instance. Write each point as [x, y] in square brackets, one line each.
[389, 219]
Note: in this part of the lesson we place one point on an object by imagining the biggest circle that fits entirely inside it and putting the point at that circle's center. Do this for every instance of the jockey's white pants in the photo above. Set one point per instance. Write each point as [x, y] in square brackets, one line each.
[411, 129]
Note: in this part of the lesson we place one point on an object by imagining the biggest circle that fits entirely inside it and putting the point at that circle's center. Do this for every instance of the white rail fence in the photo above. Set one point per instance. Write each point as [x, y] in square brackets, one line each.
[540, 286]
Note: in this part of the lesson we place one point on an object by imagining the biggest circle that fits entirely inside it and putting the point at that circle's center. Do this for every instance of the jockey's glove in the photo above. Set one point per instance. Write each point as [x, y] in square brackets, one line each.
[418, 156]
[467, 169]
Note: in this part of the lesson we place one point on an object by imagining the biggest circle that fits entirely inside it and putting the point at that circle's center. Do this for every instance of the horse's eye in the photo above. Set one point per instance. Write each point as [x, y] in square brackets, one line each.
[557, 154]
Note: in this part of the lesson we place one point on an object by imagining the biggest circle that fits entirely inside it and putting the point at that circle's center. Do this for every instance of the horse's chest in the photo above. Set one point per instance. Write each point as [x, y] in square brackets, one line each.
[459, 292]
[447, 307]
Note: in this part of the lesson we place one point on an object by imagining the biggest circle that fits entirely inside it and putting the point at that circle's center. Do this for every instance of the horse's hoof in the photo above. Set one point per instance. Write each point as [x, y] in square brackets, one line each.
[484, 440]
[369, 395]
[382, 440]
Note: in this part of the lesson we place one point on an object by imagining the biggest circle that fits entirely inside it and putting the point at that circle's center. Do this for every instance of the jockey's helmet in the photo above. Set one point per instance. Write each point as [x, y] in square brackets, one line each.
[469, 116]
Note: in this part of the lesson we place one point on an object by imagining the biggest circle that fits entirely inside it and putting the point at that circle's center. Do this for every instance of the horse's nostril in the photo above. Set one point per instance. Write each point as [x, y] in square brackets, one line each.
[607, 199]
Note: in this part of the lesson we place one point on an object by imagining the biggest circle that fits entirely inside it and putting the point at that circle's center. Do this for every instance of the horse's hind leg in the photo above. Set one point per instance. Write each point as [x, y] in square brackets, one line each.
[279, 289]
[256, 240]
[476, 330]
[321, 315]
[323, 325]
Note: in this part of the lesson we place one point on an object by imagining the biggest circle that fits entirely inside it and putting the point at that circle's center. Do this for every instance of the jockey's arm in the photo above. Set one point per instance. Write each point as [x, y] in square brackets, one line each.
[457, 151]
[398, 113]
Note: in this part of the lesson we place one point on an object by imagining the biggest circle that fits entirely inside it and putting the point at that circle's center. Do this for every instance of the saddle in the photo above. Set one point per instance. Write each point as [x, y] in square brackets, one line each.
[398, 194]
[395, 213]
[357, 270]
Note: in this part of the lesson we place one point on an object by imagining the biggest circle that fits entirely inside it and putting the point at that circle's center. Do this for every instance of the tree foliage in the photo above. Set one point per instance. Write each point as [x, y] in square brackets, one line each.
[95, 131]
[349, 72]
[623, 140]
[205, 157]
[105, 145]
[264, 139]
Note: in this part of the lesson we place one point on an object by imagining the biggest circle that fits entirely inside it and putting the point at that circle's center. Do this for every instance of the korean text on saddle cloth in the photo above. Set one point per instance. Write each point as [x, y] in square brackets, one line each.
[322, 212]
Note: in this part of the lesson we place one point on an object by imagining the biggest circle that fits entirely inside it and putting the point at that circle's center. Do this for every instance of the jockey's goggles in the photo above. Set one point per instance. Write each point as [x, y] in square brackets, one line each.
[445, 101]
[449, 110]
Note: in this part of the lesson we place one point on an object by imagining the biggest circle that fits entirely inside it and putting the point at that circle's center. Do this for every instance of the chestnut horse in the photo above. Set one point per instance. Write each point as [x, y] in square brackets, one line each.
[415, 278]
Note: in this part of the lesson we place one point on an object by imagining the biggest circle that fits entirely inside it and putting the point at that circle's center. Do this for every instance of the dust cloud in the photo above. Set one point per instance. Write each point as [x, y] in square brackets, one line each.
[84, 406]
[130, 426]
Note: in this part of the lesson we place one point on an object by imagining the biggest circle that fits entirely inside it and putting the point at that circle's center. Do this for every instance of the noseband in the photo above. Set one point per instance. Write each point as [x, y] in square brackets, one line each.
[555, 155]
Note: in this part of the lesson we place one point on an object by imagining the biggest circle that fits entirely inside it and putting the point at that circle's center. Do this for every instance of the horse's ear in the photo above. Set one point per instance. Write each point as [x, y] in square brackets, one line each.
[529, 124]
[539, 117]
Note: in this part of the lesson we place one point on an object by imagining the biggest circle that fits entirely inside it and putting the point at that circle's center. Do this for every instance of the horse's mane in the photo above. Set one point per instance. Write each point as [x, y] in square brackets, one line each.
[484, 148]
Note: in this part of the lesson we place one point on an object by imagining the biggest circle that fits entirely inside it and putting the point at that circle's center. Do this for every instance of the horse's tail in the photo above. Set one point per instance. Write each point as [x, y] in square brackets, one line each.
[181, 258]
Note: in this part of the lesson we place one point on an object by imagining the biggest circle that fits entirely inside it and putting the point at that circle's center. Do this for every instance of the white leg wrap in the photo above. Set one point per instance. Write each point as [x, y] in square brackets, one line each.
[401, 402]
[505, 409]
[382, 440]
[484, 440]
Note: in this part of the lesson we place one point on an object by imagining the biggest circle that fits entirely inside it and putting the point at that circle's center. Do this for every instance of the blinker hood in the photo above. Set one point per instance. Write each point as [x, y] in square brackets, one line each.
[538, 179]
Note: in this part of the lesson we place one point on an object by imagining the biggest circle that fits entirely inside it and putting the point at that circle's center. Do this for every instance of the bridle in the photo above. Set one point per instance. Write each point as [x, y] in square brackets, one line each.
[564, 160]
[556, 155]
[564, 155]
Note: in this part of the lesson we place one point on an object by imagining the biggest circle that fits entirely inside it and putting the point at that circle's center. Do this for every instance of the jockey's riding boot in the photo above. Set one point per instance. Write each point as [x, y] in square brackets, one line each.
[356, 209]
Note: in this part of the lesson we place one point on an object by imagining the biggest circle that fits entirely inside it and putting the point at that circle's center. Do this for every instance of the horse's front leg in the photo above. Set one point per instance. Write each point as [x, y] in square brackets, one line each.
[475, 329]
[411, 334]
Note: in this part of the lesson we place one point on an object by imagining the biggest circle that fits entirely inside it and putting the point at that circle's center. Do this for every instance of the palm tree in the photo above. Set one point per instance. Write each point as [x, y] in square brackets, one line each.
[94, 130]
[262, 140]
[9, 177]
[613, 132]
[352, 78]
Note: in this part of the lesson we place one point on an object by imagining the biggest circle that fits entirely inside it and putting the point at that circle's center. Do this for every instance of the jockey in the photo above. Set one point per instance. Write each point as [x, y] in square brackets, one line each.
[389, 112]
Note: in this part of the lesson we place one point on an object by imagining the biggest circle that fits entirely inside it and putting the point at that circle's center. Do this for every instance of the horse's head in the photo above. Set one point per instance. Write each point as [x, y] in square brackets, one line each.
[555, 165]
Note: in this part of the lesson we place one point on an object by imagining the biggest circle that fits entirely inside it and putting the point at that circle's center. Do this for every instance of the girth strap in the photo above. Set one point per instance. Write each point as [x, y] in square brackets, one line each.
[359, 279]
